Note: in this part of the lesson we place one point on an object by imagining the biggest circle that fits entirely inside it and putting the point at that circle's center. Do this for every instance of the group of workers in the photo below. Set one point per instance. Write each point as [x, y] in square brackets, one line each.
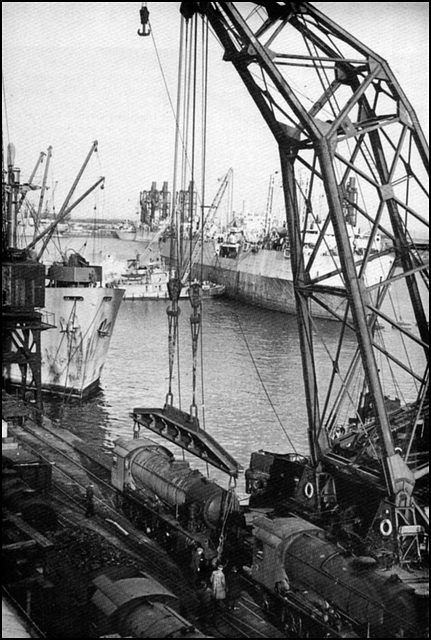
[216, 591]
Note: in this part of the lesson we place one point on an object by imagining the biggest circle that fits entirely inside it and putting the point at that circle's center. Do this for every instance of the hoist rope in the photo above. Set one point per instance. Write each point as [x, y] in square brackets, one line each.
[186, 143]
[190, 116]
[173, 311]
[203, 190]
[193, 141]
[263, 385]
[176, 111]
[187, 102]
[319, 69]
[204, 129]
[227, 511]
[174, 214]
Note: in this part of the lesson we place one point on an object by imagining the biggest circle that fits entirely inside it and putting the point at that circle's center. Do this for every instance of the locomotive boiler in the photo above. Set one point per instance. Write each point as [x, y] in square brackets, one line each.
[166, 495]
[314, 587]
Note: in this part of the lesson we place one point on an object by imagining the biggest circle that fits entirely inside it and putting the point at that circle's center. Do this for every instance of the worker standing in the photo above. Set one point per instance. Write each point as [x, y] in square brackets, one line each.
[233, 589]
[218, 583]
[89, 501]
[198, 564]
[206, 602]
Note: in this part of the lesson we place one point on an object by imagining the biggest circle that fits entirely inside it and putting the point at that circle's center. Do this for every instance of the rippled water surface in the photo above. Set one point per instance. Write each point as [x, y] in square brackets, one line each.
[250, 391]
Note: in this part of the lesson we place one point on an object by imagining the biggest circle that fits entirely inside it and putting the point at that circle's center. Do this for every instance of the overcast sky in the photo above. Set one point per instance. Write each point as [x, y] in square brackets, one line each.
[74, 72]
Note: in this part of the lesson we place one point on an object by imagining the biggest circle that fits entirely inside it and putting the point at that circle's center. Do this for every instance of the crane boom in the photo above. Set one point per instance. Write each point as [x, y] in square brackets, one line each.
[207, 222]
[360, 124]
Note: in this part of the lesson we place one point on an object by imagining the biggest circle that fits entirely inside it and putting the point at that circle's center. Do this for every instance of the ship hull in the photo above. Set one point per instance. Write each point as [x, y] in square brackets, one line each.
[264, 278]
[74, 349]
[147, 292]
[139, 235]
[74, 353]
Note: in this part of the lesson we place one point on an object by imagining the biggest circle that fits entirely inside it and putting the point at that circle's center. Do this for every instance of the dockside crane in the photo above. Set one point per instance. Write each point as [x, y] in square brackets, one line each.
[269, 201]
[336, 110]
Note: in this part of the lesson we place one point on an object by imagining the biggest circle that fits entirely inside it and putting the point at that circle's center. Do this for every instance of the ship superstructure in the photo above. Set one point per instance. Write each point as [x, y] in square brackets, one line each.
[76, 311]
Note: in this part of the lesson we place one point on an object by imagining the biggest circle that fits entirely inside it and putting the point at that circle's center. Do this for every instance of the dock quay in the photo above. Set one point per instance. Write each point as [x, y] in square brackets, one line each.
[218, 413]
[65, 565]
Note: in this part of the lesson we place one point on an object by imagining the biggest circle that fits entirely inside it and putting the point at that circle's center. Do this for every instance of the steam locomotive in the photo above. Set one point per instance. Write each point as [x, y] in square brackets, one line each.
[295, 563]
[122, 599]
[133, 604]
[314, 589]
[169, 500]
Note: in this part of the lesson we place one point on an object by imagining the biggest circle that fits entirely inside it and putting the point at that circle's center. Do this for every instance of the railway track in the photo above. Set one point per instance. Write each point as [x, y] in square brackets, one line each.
[70, 479]
[244, 628]
[73, 469]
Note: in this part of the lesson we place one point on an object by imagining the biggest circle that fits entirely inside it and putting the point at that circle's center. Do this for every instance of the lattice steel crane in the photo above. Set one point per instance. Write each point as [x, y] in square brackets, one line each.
[344, 118]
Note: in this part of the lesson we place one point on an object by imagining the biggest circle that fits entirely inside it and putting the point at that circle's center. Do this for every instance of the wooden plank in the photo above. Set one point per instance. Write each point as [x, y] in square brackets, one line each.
[30, 531]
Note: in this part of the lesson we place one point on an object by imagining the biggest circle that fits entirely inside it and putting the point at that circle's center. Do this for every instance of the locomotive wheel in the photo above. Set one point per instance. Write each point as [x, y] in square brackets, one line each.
[292, 623]
[264, 601]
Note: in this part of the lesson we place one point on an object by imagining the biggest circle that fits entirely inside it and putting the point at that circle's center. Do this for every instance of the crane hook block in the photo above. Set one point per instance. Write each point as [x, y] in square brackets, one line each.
[145, 15]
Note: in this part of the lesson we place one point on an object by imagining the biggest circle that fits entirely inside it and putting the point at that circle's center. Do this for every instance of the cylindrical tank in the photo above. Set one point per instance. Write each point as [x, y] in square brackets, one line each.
[152, 468]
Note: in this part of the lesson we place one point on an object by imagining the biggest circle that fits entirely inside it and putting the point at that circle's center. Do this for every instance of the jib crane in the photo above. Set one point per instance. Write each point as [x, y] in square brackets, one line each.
[206, 224]
[355, 122]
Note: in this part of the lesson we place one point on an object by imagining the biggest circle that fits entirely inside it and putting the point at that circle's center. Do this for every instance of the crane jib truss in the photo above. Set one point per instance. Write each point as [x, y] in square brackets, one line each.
[373, 134]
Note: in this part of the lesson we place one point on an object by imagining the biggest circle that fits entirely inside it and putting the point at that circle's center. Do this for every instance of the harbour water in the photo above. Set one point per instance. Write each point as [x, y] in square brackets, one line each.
[250, 392]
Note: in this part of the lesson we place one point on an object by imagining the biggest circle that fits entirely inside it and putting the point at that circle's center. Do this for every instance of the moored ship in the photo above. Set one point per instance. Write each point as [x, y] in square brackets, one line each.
[262, 276]
[79, 317]
[142, 281]
[134, 233]
[74, 352]
[73, 316]
[150, 281]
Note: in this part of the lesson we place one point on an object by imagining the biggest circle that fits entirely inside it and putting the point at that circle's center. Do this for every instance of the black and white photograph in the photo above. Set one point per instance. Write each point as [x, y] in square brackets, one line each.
[215, 312]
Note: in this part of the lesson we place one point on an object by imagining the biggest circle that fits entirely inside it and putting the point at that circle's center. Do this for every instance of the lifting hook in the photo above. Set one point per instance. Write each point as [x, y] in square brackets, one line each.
[145, 14]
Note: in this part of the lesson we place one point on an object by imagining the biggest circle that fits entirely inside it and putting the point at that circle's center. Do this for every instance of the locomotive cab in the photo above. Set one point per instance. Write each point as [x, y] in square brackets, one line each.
[268, 562]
